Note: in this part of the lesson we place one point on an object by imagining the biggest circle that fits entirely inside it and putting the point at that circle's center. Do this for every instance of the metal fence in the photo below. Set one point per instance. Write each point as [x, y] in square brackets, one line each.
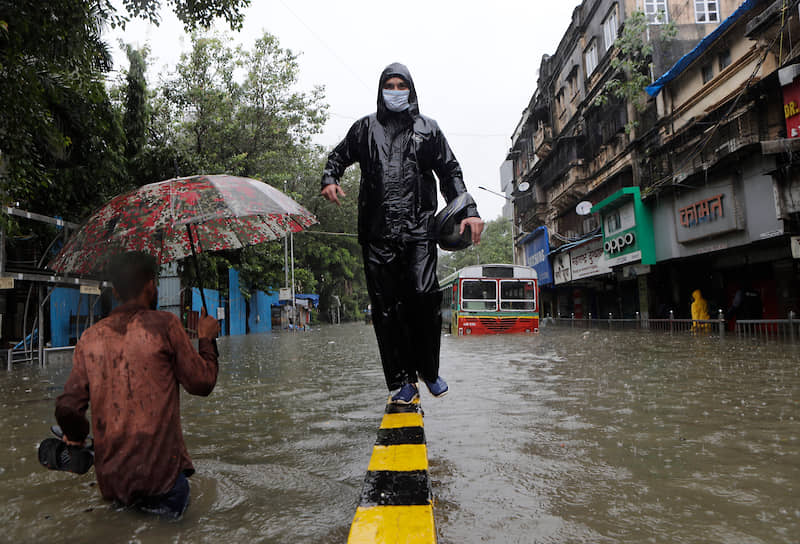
[765, 330]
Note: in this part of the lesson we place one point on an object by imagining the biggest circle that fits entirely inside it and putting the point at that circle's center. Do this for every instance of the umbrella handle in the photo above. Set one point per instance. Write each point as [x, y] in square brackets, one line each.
[199, 280]
[196, 267]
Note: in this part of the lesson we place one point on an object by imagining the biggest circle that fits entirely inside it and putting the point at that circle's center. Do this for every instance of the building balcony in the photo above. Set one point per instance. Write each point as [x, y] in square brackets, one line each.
[567, 154]
[543, 141]
[565, 194]
[529, 212]
[524, 165]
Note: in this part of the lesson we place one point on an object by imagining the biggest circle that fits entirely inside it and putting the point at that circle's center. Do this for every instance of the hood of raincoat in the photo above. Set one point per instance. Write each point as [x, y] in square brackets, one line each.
[397, 70]
[403, 157]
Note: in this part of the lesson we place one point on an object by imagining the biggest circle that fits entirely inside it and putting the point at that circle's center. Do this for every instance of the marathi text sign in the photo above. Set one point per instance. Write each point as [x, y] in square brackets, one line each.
[706, 212]
[588, 260]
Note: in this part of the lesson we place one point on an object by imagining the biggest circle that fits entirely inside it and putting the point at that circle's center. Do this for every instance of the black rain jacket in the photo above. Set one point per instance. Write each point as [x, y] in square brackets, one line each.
[398, 154]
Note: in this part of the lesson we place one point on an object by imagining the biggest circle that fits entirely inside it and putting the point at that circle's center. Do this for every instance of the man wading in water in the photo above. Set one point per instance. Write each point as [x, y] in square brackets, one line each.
[399, 150]
[129, 366]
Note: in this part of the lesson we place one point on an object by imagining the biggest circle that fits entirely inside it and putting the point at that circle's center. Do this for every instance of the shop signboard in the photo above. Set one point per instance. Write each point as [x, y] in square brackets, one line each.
[90, 290]
[537, 248]
[706, 212]
[627, 228]
[562, 268]
[588, 260]
[791, 106]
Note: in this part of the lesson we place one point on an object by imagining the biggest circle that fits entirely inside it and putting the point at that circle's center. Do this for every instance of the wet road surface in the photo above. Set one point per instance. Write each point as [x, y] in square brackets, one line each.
[566, 436]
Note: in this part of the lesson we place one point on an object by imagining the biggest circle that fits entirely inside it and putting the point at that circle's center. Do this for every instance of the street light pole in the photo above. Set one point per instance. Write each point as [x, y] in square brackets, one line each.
[501, 195]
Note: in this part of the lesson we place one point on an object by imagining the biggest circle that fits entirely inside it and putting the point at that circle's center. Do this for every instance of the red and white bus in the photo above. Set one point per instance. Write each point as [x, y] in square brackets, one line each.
[491, 299]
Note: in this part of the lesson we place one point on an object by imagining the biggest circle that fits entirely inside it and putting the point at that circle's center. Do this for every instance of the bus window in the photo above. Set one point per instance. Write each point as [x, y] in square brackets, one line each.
[517, 295]
[479, 295]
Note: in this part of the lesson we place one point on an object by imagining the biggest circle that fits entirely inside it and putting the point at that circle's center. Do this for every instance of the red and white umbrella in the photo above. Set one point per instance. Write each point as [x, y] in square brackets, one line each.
[174, 218]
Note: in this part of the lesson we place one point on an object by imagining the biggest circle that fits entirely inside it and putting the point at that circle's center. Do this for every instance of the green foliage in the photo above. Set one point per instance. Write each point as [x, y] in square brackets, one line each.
[192, 13]
[134, 120]
[59, 136]
[236, 110]
[67, 144]
[331, 249]
[496, 246]
[631, 63]
[61, 140]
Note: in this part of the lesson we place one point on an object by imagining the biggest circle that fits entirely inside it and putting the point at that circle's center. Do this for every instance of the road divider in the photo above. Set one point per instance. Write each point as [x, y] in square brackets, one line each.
[396, 503]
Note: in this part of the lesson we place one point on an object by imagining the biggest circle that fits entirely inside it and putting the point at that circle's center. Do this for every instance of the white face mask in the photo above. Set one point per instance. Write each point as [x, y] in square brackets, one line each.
[395, 100]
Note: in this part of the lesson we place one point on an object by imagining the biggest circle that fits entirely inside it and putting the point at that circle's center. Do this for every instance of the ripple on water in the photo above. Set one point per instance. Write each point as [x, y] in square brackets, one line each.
[558, 437]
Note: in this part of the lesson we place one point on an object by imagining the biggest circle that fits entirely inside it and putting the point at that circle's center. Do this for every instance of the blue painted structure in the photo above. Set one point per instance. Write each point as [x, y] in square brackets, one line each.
[69, 311]
[213, 301]
[237, 307]
[260, 319]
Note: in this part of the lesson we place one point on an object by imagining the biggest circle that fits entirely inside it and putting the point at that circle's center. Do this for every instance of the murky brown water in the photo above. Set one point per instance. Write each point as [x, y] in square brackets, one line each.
[568, 436]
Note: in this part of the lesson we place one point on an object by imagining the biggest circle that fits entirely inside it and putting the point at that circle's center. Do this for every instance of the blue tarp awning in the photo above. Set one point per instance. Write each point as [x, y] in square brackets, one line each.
[654, 88]
[313, 298]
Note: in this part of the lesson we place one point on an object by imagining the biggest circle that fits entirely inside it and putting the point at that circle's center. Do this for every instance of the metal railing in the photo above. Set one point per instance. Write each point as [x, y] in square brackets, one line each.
[765, 330]
[14, 356]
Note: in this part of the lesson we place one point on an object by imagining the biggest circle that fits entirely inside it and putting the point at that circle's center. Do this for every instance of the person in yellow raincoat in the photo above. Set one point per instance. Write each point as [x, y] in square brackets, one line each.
[699, 311]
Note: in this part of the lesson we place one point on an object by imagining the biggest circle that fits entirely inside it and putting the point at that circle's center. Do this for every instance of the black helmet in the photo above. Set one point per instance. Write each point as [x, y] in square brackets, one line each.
[448, 222]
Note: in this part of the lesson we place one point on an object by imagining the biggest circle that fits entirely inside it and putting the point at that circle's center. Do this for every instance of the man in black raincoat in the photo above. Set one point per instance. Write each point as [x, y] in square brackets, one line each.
[399, 150]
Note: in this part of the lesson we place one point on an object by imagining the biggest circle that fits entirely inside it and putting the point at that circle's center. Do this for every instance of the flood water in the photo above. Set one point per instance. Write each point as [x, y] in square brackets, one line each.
[566, 436]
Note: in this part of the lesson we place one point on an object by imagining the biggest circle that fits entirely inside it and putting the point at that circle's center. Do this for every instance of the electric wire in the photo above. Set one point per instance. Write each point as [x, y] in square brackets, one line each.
[324, 44]
[330, 233]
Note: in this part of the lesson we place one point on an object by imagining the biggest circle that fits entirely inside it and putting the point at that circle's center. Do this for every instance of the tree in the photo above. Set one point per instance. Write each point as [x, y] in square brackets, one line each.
[134, 120]
[192, 13]
[60, 138]
[58, 131]
[331, 250]
[211, 116]
[257, 125]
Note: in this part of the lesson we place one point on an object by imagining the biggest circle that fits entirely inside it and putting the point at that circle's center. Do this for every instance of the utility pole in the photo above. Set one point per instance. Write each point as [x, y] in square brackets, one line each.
[285, 254]
[294, 310]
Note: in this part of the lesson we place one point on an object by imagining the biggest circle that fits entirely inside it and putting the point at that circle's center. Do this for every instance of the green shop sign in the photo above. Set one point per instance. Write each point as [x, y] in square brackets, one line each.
[627, 228]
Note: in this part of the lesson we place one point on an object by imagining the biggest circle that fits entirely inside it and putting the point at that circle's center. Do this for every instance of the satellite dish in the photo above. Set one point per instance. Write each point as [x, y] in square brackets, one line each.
[524, 186]
[583, 208]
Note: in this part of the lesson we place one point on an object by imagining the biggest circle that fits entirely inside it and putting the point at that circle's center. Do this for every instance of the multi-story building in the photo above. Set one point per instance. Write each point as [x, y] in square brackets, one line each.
[600, 189]
[722, 205]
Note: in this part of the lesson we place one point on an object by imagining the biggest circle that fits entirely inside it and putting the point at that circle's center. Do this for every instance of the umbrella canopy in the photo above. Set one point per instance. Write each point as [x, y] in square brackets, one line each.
[220, 211]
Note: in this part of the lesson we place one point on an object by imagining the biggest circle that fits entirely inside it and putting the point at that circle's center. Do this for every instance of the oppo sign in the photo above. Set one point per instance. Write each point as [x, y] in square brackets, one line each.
[616, 245]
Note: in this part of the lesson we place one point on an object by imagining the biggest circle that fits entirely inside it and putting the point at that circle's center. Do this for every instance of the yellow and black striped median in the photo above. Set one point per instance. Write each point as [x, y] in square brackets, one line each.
[396, 503]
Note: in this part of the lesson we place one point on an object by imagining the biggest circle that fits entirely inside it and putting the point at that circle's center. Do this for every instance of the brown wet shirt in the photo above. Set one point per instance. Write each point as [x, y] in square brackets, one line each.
[129, 366]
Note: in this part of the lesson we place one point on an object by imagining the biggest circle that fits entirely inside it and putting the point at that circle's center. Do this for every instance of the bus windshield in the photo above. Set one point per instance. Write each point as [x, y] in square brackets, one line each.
[517, 295]
[479, 295]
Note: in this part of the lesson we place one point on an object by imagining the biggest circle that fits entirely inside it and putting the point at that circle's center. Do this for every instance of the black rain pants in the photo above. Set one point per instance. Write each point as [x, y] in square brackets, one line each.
[406, 308]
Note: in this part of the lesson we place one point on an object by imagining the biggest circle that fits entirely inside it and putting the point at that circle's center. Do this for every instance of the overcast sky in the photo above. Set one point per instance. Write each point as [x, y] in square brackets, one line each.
[474, 64]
